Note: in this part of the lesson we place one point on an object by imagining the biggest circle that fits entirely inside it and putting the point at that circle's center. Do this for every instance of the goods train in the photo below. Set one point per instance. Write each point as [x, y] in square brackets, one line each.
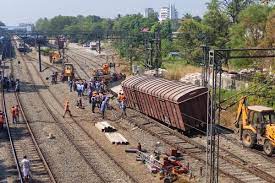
[178, 105]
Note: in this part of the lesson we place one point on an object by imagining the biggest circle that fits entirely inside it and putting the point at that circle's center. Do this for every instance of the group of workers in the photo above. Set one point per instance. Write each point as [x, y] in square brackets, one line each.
[14, 115]
[97, 94]
[9, 83]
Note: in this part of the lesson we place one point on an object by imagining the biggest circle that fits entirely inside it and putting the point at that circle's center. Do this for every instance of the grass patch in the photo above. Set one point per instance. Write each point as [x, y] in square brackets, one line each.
[176, 69]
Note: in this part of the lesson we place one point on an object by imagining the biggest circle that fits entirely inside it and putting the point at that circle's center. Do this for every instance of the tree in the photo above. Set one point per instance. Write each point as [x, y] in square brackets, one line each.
[192, 35]
[234, 7]
[2, 24]
[251, 30]
[269, 40]
[218, 23]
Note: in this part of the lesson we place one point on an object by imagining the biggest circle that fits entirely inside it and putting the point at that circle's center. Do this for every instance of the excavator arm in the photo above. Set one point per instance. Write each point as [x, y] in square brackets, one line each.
[242, 113]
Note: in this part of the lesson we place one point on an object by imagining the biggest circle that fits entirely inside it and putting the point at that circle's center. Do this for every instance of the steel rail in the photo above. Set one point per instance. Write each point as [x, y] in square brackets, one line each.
[59, 124]
[233, 159]
[240, 162]
[87, 133]
[68, 136]
[40, 154]
[9, 132]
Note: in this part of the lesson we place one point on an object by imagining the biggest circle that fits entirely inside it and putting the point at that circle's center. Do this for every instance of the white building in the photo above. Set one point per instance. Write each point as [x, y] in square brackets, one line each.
[164, 14]
[168, 13]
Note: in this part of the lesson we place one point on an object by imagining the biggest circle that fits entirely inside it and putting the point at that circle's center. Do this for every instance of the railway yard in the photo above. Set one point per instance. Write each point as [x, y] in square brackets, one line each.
[73, 149]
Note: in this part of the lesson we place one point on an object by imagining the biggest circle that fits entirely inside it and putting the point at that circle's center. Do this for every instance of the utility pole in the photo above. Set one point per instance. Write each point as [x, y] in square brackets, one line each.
[39, 56]
[24, 46]
[99, 45]
[38, 41]
[131, 57]
[157, 52]
[205, 65]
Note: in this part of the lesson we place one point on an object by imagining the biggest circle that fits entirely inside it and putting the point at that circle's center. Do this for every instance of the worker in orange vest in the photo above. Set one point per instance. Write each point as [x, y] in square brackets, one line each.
[67, 109]
[122, 102]
[17, 112]
[121, 97]
[13, 114]
[1, 120]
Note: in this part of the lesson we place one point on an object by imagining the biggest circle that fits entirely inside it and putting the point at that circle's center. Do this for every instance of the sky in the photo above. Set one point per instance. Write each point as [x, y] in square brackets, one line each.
[14, 12]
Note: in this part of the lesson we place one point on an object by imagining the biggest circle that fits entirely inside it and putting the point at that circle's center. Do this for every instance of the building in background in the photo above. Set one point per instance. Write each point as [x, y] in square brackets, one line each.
[164, 14]
[25, 27]
[168, 13]
[148, 12]
[28, 26]
[173, 12]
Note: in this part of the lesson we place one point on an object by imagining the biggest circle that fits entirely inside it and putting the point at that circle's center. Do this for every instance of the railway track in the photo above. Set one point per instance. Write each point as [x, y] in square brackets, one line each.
[243, 171]
[82, 147]
[52, 67]
[82, 70]
[94, 64]
[231, 165]
[23, 142]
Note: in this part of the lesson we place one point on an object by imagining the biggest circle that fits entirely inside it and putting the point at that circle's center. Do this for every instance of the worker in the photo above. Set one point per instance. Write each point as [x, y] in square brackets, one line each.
[74, 85]
[78, 89]
[53, 81]
[79, 103]
[104, 106]
[99, 100]
[85, 87]
[17, 113]
[1, 120]
[82, 89]
[93, 101]
[121, 97]
[13, 114]
[139, 146]
[17, 86]
[122, 102]
[70, 83]
[67, 109]
[157, 150]
[26, 166]
[123, 108]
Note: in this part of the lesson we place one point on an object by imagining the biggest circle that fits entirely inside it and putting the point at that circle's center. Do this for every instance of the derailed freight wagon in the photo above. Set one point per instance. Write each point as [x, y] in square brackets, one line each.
[179, 105]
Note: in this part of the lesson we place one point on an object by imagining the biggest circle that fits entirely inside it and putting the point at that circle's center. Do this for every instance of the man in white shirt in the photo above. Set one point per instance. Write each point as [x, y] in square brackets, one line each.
[26, 166]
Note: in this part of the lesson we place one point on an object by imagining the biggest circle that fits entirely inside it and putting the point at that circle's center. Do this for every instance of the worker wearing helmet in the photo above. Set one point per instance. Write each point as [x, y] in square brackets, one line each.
[121, 97]
[122, 102]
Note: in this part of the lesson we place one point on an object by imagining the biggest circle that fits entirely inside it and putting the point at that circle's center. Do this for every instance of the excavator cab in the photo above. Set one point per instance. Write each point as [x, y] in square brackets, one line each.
[257, 127]
[68, 71]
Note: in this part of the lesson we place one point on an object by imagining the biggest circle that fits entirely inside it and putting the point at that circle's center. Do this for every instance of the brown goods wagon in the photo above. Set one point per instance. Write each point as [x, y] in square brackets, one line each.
[177, 104]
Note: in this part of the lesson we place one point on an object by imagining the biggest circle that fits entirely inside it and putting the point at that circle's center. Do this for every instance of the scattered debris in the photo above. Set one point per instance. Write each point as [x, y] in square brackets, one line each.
[135, 149]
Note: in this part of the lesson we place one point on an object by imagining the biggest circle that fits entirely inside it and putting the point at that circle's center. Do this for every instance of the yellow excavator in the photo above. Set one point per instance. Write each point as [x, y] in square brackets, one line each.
[103, 74]
[256, 126]
[55, 57]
